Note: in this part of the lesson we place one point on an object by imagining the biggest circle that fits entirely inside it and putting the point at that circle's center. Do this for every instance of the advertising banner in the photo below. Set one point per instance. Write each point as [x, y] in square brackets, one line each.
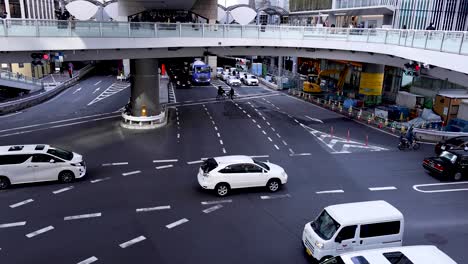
[371, 83]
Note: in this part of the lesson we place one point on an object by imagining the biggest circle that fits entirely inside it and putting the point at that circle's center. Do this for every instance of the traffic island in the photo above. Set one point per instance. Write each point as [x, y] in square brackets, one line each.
[144, 122]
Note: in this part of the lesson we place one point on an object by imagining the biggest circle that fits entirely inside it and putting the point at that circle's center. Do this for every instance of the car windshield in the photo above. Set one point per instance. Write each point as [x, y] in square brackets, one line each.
[209, 165]
[448, 156]
[325, 226]
[457, 141]
[262, 164]
[61, 153]
[335, 260]
[202, 69]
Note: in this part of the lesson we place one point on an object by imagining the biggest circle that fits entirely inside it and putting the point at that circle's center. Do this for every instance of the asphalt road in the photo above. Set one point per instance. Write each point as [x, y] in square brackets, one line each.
[157, 169]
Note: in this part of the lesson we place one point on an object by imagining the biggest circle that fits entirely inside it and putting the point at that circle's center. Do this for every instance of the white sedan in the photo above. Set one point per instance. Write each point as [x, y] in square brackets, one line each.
[250, 79]
[233, 81]
[231, 172]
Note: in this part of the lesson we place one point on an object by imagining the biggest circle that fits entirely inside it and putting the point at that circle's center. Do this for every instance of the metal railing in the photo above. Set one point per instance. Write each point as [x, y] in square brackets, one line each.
[17, 77]
[364, 3]
[443, 41]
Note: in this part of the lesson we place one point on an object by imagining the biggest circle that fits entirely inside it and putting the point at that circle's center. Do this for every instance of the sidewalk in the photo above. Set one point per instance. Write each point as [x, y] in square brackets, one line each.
[54, 79]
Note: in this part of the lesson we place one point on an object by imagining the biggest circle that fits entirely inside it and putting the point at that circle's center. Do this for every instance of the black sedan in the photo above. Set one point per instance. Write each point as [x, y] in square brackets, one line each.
[452, 165]
[452, 143]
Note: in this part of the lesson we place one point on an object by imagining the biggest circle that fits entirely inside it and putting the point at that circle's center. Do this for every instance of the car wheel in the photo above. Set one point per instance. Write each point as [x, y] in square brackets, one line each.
[222, 189]
[457, 176]
[4, 183]
[273, 185]
[416, 146]
[66, 176]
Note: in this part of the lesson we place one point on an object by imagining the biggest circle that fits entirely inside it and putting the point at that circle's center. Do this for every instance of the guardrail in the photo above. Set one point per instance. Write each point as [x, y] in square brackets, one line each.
[144, 122]
[16, 105]
[17, 77]
[443, 41]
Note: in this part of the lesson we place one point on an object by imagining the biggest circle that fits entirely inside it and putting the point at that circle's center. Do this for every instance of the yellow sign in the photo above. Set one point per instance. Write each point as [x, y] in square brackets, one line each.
[371, 83]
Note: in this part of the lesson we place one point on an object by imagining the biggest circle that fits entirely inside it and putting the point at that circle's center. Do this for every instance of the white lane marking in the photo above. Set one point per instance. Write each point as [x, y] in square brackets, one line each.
[88, 260]
[177, 118]
[97, 89]
[245, 112]
[40, 231]
[76, 123]
[290, 150]
[276, 147]
[164, 167]
[387, 188]
[300, 154]
[218, 134]
[330, 191]
[259, 126]
[178, 135]
[221, 142]
[190, 101]
[213, 122]
[224, 150]
[263, 118]
[132, 242]
[253, 120]
[278, 135]
[149, 209]
[268, 197]
[268, 123]
[77, 90]
[194, 162]
[100, 180]
[284, 142]
[315, 119]
[216, 202]
[269, 138]
[76, 217]
[178, 123]
[62, 190]
[263, 131]
[13, 224]
[213, 208]
[273, 129]
[249, 103]
[216, 128]
[110, 91]
[177, 223]
[12, 114]
[249, 116]
[130, 173]
[417, 186]
[97, 83]
[21, 203]
[260, 156]
[115, 164]
[165, 161]
[295, 120]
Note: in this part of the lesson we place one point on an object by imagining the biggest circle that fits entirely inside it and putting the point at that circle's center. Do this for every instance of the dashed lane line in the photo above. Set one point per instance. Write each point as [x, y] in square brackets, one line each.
[269, 138]
[218, 135]
[260, 156]
[212, 209]
[278, 196]
[88, 260]
[216, 202]
[276, 146]
[149, 209]
[21, 203]
[278, 135]
[300, 154]
[84, 216]
[314, 119]
[284, 142]
[221, 142]
[40, 231]
[130, 173]
[164, 167]
[13, 224]
[177, 223]
[194, 162]
[216, 128]
[165, 161]
[63, 190]
[387, 188]
[114, 164]
[224, 151]
[132, 242]
[100, 180]
[330, 191]
[264, 133]
[97, 83]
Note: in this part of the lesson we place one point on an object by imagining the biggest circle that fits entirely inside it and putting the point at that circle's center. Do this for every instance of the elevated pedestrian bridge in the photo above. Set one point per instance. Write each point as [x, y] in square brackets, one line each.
[85, 40]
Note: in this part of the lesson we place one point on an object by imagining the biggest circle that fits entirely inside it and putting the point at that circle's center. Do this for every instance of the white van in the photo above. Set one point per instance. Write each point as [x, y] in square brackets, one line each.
[349, 227]
[395, 255]
[37, 163]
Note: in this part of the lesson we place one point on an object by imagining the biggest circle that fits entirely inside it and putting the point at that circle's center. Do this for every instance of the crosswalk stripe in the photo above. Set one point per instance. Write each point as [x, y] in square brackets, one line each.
[111, 90]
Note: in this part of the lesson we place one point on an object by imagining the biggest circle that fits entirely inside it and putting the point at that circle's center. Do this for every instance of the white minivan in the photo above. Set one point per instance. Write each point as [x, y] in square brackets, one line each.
[350, 227]
[395, 255]
[38, 163]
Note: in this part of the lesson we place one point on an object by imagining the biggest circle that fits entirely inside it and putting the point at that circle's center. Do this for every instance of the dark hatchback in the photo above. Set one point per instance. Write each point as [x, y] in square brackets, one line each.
[452, 143]
[451, 165]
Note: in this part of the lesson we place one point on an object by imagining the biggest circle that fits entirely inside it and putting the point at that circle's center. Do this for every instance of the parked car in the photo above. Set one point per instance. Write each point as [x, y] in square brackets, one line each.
[452, 143]
[451, 164]
[250, 79]
[233, 81]
[37, 163]
[398, 255]
[231, 172]
[351, 227]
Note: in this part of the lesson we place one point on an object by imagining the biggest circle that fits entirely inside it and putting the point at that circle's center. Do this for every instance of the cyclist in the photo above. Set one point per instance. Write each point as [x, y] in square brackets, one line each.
[220, 92]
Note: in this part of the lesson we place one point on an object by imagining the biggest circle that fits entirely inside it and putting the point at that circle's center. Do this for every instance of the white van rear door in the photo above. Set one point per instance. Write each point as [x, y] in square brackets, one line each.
[379, 235]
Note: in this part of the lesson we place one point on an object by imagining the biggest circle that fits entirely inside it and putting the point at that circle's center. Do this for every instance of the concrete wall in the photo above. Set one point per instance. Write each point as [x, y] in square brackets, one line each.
[25, 70]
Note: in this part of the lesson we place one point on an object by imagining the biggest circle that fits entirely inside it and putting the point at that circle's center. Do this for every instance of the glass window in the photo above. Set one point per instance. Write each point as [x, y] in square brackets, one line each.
[380, 229]
[359, 260]
[325, 226]
[397, 258]
[13, 159]
[347, 232]
[43, 158]
[209, 165]
[251, 168]
[61, 153]
[449, 156]
[262, 164]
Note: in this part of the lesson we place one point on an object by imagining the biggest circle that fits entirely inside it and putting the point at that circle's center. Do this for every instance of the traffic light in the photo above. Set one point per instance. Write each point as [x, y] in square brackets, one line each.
[412, 69]
[39, 58]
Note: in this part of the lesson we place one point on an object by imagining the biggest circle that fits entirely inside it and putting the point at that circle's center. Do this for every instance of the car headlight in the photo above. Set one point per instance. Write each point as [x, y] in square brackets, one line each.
[442, 148]
[318, 244]
[178, 82]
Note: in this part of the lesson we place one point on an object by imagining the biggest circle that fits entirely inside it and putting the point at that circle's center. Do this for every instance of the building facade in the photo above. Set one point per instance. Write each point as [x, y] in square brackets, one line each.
[445, 14]
[32, 9]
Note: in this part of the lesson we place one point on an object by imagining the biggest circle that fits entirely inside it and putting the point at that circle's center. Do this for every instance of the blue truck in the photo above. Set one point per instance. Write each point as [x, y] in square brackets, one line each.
[201, 73]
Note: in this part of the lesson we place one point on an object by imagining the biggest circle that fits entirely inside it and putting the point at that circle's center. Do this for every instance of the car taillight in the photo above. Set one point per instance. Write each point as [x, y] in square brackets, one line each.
[438, 167]
[425, 161]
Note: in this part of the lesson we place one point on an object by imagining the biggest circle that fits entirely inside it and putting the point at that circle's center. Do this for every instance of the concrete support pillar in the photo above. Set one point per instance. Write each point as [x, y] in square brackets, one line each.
[145, 86]
[294, 65]
[126, 67]
[371, 83]
[280, 65]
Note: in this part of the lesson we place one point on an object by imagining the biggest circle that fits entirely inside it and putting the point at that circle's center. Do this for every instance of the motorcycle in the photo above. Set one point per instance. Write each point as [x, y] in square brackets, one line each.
[405, 144]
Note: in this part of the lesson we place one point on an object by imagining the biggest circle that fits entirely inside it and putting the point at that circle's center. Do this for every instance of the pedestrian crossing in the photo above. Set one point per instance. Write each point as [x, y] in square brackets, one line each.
[111, 90]
[338, 145]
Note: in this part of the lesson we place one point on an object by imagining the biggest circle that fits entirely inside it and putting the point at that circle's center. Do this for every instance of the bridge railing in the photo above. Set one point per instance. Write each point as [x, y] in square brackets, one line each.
[17, 77]
[443, 41]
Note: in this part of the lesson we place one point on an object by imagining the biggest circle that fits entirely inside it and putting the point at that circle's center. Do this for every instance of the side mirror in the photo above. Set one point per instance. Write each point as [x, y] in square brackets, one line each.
[52, 161]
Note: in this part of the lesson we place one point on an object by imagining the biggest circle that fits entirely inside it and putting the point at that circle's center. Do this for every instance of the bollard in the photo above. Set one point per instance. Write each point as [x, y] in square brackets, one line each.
[386, 122]
[333, 107]
[401, 117]
[393, 130]
[331, 132]
[367, 140]
[369, 119]
[348, 136]
[350, 111]
[403, 129]
[318, 100]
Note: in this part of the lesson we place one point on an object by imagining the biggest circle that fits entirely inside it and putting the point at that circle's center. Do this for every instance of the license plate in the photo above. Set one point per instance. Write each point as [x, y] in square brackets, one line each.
[308, 252]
